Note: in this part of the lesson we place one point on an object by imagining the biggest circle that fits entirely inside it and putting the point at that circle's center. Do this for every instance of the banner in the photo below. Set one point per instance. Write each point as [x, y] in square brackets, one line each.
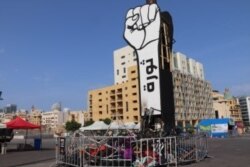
[219, 128]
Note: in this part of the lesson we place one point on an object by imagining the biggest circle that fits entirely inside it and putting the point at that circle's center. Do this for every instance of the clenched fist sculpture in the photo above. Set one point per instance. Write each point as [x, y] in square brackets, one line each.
[142, 26]
[142, 32]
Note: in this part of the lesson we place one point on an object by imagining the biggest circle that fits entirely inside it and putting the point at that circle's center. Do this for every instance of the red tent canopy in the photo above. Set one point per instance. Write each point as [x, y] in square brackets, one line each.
[19, 123]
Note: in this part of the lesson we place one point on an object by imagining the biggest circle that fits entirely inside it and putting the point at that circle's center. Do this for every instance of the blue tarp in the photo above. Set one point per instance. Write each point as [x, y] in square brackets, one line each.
[206, 122]
[215, 127]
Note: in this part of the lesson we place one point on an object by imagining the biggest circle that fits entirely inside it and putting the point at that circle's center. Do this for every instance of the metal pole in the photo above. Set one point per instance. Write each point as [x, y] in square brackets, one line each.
[26, 134]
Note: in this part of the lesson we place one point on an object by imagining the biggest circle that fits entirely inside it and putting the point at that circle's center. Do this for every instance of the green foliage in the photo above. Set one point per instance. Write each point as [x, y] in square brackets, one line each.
[107, 121]
[190, 129]
[87, 123]
[72, 126]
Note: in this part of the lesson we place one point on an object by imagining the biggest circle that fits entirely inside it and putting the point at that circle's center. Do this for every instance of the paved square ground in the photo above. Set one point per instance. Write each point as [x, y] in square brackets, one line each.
[228, 152]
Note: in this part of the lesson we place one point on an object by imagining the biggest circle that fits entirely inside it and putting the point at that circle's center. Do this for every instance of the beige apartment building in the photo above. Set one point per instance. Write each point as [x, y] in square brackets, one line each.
[78, 116]
[118, 102]
[54, 118]
[123, 58]
[226, 106]
[35, 117]
[234, 108]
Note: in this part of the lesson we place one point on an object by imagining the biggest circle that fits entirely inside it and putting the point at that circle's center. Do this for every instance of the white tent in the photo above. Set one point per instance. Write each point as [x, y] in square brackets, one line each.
[121, 125]
[130, 125]
[137, 126]
[2, 126]
[117, 125]
[98, 125]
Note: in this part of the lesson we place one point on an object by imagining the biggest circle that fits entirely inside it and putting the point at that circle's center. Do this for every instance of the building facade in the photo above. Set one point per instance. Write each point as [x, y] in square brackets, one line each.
[220, 107]
[193, 99]
[118, 102]
[187, 66]
[56, 117]
[10, 109]
[77, 116]
[23, 114]
[192, 93]
[234, 106]
[226, 106]
[123, 58]
[245, 109]
[35, 116]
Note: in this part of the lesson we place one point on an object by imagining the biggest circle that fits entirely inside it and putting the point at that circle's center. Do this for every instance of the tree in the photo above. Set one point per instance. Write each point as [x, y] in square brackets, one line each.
[107, 121]
[72, 126]
[89, 122]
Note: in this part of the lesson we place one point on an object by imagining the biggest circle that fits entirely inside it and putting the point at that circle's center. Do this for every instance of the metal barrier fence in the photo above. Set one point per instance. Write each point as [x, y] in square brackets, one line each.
[155, 152]
[191, 148]
[128, 151]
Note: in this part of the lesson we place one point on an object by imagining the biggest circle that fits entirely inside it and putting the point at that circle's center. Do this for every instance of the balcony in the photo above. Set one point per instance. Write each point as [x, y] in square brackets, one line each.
[112, 100]
[112, 92]
[119, 91]
[112, 107]
[119, 107]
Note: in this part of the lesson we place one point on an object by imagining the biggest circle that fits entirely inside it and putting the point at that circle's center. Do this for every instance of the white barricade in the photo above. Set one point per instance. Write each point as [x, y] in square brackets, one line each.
[129, 151]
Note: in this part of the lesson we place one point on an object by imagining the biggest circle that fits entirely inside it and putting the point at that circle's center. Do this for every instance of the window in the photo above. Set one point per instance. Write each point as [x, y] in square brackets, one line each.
[216, 114]
[175, 62]
[123, 63]
[124, 70]
[126, 106]
[117, 72]
[136, 118]
[124, 76]
[123, 57]
[132, 72]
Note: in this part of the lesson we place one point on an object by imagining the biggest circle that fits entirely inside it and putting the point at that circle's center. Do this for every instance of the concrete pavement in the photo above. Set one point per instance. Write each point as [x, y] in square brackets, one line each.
[15, 157]
[229, 152]
[21, 158]
[51, 163]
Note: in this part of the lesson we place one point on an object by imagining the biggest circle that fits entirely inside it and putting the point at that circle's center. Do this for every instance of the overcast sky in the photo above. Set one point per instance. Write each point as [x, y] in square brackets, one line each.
[56, 50]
